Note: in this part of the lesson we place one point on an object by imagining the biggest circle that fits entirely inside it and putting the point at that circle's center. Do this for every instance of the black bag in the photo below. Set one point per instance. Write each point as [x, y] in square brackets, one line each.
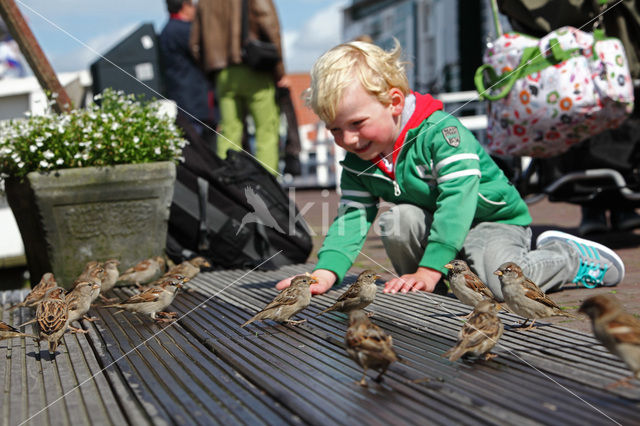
[232, 212]
[260, 55]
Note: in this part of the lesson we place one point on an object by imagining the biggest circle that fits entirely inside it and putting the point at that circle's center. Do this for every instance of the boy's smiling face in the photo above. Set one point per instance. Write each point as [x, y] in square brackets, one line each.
[363, 125]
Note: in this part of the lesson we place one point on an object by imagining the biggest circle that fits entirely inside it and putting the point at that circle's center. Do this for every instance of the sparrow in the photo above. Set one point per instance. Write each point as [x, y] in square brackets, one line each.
[154, 299]
[288, 303]
[47, 282]
[94, 272]
[190, 268]
[360, 295]
[52, 317]
[466, 285]
[479, 334]
[79, 301]
[144, 271]
[111, 275]
[617, 330]
[8, 332]
[524, 297]
[368, 345]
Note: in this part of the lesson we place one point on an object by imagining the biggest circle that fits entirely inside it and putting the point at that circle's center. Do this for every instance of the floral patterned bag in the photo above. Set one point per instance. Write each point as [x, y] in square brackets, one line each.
[550, 93]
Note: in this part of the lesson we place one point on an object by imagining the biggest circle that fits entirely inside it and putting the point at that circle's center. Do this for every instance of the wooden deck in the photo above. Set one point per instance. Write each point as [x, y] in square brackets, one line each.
[205, 369]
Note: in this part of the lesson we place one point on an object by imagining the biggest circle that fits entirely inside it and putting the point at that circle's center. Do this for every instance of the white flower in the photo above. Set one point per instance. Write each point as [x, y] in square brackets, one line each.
[115, 126]
[48, 154]
[136, 139]
[157, 151]
[44, 164]
[33, 148]
[59, 161]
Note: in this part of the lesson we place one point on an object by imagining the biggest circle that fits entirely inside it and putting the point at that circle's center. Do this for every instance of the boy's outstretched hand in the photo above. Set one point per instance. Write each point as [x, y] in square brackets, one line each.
[424, 279]
[326, 279]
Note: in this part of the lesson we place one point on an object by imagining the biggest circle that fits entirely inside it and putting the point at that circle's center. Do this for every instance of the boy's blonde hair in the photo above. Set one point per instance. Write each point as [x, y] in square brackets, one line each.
[376, 69]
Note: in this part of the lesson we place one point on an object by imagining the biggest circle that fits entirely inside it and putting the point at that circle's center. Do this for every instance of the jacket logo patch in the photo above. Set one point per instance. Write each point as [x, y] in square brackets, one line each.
[451, 135]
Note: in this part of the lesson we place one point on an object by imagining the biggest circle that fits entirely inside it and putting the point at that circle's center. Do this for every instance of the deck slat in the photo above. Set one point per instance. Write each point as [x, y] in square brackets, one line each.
[205, 369]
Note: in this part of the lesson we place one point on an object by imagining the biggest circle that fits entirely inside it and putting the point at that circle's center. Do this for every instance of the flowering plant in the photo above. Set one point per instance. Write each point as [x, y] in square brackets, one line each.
[121, 130]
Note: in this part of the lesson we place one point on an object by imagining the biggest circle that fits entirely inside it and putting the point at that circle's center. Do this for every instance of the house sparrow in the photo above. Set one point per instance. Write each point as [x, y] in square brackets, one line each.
[144, 272]
[288, 303]
[93, 271]
[466, 285]
[360, 295]
[8, 332]
[52, 317]
[47, 282]
[79, 301]
[479, 334]
[111, 275]
[617, 330]
[524, 297]
[190, 268]
[154, 299]
[368, 345]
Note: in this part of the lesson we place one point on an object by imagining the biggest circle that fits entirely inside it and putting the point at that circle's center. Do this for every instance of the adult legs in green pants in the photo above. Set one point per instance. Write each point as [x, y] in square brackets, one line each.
[242, 90]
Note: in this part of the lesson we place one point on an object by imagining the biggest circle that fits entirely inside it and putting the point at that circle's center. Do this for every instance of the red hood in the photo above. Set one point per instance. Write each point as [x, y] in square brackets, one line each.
[425, 106]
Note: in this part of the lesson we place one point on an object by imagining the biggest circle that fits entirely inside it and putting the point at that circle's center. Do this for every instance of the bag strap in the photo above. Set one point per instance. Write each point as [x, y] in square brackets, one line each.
[532, 61]
[496, 19]
[203, 231]
[245, 22]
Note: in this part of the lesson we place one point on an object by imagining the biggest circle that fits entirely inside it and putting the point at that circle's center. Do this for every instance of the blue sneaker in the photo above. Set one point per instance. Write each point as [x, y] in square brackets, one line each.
[599, 265]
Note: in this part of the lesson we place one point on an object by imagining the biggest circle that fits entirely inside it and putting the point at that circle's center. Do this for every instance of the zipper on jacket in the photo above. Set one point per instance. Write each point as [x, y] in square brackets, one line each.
[396, 187]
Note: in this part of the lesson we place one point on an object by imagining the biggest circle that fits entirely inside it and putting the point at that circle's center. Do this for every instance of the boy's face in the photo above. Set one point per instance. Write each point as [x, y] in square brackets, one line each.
[363, 125]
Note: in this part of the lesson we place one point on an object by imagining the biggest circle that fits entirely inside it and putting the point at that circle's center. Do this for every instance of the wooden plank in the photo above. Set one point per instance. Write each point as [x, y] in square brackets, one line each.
[182, 375]
[56, 391]
[425, 328]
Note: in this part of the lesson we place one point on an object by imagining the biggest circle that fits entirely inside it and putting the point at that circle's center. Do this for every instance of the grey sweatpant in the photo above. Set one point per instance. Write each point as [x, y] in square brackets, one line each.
[405, 228]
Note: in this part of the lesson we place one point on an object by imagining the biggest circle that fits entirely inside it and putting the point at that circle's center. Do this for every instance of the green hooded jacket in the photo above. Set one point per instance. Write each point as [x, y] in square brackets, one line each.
[441, 167]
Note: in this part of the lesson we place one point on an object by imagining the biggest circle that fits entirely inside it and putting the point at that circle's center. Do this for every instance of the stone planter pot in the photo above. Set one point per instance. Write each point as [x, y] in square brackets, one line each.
[72, 216]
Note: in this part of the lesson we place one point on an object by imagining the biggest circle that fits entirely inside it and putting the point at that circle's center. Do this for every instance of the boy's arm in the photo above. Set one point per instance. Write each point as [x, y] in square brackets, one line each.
[345, 238]
[346, 235]
[457, 171]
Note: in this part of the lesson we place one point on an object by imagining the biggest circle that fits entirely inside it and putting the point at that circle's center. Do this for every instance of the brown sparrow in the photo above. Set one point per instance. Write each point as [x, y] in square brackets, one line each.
[368, 345]
[190, 268]
[466, 285]
[479, 334]
[93, 271]
[79, 301]
[47, 282]
[360, 295]
[8, 332]
[52, 317]
[288, 303]
[524, 297]
[617, 330]
[111, 275]
[154, 299]
[144, 272]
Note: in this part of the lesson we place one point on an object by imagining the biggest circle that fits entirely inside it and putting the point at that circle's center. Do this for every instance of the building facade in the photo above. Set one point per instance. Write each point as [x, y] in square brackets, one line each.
[442, 39]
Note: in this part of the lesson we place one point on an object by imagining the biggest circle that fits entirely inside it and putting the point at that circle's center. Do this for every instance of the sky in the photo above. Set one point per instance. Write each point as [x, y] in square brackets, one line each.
[73, 33]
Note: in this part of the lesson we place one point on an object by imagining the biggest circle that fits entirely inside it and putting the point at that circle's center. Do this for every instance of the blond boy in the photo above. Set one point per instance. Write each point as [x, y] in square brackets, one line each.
[451, 200]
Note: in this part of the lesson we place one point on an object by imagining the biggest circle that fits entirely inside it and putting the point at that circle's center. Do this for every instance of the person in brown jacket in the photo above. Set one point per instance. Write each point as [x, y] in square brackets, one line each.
[217, 43]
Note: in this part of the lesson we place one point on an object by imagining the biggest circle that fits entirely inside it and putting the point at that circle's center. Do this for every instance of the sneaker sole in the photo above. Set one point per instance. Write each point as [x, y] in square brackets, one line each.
[603, 250]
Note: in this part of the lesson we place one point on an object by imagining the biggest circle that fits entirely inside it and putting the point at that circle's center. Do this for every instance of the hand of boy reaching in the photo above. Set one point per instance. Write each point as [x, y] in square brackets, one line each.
[424, 279]
[325, 278]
